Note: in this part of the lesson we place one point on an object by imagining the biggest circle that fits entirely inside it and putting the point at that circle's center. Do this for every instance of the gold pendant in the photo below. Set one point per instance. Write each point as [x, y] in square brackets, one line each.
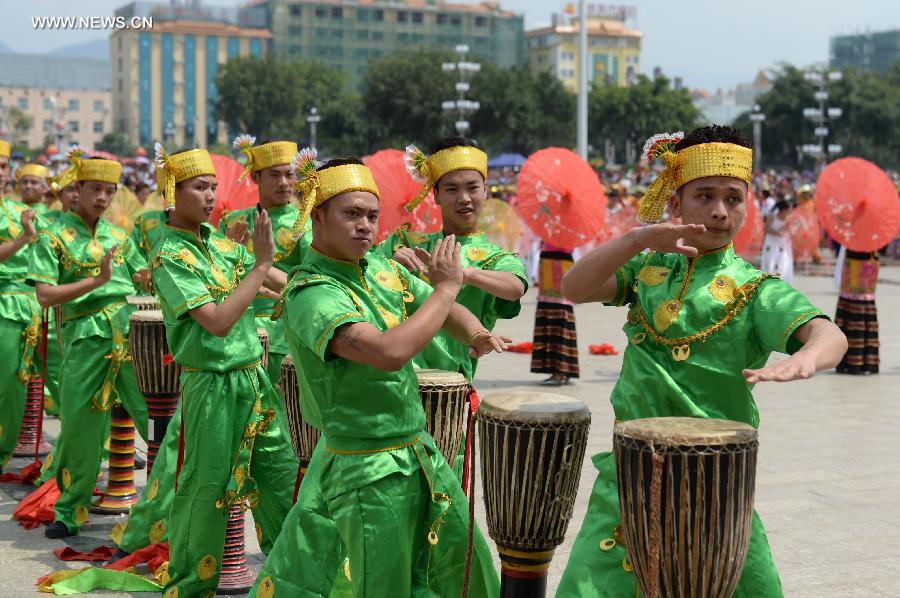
[408, 297]
[681, 352]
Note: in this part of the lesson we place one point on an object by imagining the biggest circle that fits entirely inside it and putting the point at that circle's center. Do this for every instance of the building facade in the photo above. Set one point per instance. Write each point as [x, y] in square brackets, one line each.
[875, 52]
[67, 99]
[615, 50]
[163, 79]
[348, 34]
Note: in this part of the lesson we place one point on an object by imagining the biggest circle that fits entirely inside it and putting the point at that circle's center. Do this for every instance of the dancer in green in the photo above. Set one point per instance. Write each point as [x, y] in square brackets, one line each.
[701, 326]
[88, 266]
[269, 166]
[20, 314]
[377, 488]
[234, 440]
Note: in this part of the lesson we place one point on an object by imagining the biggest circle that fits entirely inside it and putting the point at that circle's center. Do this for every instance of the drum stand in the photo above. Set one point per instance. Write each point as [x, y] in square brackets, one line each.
[121, 493]
[236, 576]
[31, 433]
[160, 410]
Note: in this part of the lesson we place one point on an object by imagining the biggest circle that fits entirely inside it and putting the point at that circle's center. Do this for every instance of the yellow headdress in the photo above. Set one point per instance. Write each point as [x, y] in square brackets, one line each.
[318, 187]
[4, 149]
[83, 169]
[691, 163]
[179, 167]
[267, 155]
[428, 170]
[35, 170]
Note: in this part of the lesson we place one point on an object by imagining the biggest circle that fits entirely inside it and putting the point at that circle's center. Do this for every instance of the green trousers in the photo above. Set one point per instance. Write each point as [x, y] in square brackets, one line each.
[87, 375]
[379, 509]
[148, 521]
[236, 450]
[12, 390]
[595, 573]
[54, 363]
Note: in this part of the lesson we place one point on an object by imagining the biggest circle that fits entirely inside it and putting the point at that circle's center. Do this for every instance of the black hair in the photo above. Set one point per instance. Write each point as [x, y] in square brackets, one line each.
[346, 161]
[713, 134]
[443, 143]
[140, 187]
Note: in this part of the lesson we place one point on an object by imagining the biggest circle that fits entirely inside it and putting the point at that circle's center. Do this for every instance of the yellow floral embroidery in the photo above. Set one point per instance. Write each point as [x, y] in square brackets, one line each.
[389, 280]
[162, 574]
[95, 249]
[666, 314]
[187, 256]
[207, 567]
[653, 275]
[476, 254]
[68, 234]
[118, 234]
[157, 531]
[3, 433]
[220, 278]
[224, 245]
[152, 490]
[151, 223]
[266, 588]
[14, 229]
[171, 592]
[722, 288]
[66, 478]
[347, 568]
[259, 534]
[116, 533]
[81, 515]
[284, 236]
[390, 319]
[416, 238]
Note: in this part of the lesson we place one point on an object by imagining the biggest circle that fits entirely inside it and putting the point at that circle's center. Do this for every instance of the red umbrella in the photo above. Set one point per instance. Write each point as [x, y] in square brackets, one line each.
[748, 241]
[104, 155]
[560, 197]
[857, 204]
[397, 188]
[231, 194]
[803, 227]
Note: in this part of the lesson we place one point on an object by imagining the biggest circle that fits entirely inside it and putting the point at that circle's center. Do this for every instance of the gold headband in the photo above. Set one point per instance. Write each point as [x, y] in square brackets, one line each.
[691, 163]
[4, 149]
[84, 169]
[35, 170]
[267, 155]
[429, 170]
[317, 186]
[179, 167]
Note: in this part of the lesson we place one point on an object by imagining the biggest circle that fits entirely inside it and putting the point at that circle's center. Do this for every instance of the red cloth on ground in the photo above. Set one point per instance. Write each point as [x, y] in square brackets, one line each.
[37, 507]
[99, 554]
[604, 349]
[27, 475]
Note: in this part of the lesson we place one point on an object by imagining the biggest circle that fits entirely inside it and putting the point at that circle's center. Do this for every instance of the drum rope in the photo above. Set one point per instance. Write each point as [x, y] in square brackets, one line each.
[655, 524]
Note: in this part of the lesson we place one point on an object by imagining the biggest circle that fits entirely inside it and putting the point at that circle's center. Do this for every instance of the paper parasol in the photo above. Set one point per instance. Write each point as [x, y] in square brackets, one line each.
[560, 197]
[231, 195]
[748, 241]
[857, 204]
[397, 188]
[123, 209]
[501, 224]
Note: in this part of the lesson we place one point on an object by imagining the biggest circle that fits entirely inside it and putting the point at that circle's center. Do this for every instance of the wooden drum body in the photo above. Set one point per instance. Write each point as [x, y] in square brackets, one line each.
[686, 489]
[263, 335]
[444, 396]
[303, 436]
[532, 449]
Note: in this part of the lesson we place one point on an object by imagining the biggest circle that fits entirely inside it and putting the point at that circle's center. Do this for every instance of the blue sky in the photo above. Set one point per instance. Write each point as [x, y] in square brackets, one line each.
[709, 43]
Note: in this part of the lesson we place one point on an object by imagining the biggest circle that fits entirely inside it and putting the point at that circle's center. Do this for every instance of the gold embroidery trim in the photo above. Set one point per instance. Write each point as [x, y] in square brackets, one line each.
[792, 326]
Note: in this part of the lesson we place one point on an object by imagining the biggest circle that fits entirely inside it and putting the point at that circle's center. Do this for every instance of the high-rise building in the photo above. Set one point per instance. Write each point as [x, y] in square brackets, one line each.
[875, 52]
[614, 48]
[348, 34]
[67, 99]
[164, 78]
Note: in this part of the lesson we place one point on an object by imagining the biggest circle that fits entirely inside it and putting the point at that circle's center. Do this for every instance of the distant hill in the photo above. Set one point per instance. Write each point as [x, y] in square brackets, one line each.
[98, 49]
[4, 49]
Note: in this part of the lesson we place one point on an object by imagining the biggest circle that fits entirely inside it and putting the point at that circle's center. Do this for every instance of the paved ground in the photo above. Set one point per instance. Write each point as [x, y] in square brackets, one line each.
[828, 482]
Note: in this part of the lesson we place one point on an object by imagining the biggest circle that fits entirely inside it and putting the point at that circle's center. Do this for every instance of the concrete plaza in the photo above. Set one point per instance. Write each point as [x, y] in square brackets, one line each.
[828, 480]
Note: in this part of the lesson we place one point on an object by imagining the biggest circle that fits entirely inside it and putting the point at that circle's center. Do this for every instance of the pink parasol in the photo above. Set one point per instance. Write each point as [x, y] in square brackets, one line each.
[397, 188]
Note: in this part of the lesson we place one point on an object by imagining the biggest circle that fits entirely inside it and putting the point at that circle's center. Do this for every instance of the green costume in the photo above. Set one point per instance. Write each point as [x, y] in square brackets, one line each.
[230, 412]
[148, 229]
[377, 488]
[95, 371]
[289, 252]
[20, 320]
[665, 373]
[55, 343]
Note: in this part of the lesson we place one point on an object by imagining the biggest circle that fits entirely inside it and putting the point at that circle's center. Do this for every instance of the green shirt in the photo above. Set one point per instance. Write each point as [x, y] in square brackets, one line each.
[189, 271]
[148, 229]
[443, 352]
[289, 253]
[693, 326]
[342, 398]
[67, 251]
[18, 300]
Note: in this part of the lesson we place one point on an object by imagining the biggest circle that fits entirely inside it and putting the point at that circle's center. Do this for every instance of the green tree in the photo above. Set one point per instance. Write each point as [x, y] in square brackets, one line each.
[115, 143]
[19, 122]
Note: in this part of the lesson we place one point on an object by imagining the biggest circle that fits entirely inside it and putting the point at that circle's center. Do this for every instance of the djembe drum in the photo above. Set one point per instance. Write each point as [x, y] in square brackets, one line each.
[237, 576]
[143, 302]
[157, 375]
[532, 448]
[443, 397]
[686, 494]
[303, 436]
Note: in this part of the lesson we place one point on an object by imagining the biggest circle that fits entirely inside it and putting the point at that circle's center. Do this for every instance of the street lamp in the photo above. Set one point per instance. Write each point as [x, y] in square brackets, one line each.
[757, 117]
[313, 119]
[463, 106]
[821, 115]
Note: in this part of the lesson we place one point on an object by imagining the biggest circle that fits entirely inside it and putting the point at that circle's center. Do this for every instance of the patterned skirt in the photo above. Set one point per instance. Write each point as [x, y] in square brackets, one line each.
[856, 314]
[555, 349]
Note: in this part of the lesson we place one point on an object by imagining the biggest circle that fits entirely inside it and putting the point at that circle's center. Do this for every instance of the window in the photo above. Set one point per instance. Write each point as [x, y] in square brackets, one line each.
[98, 106]
[120, 85]
[568, 56]
[362, 14]
[48, 104]
[480, 21]
[120, 63]
[417, 17]
[442, 19]
[402, 16]
[98, 126]
[379, 15]
[362, 34]
[48, 125]
[22, 103]
[296, 10]
[456, 20]
[568, 73]
[295, 30]
[321, 11]
[74, 105]
[378, 35]
[337, 12]
[73, 126]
